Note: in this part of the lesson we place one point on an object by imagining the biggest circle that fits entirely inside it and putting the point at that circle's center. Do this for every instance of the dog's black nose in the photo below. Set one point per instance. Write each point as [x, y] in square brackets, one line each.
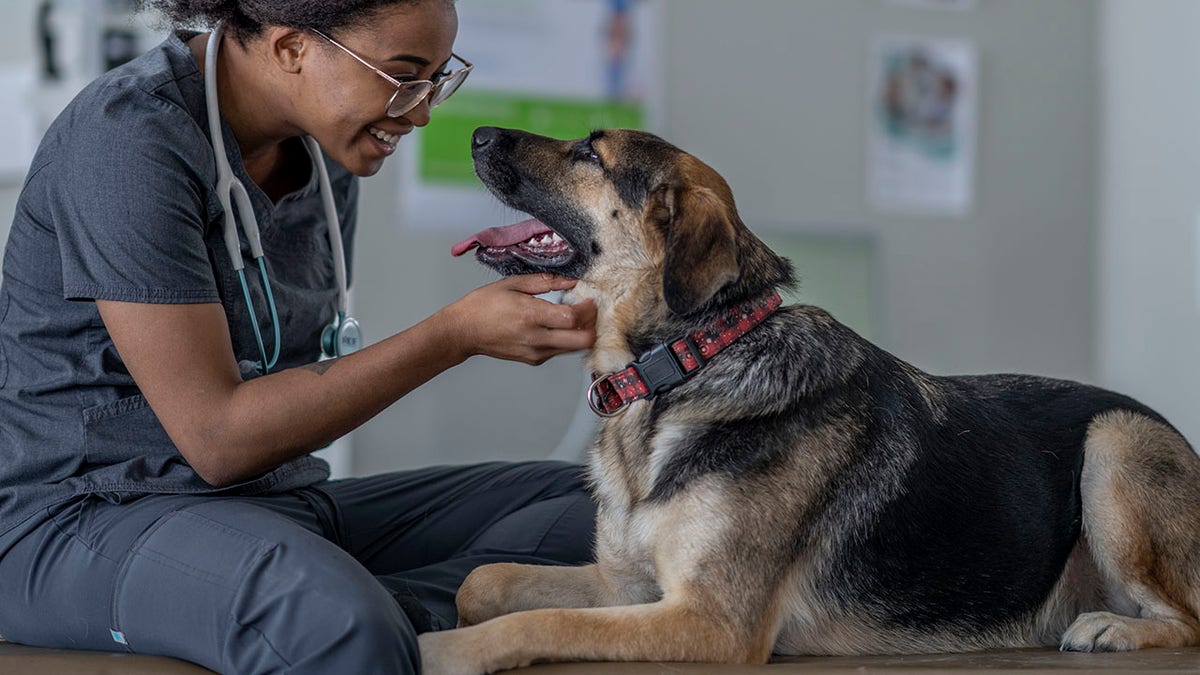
[484, 136]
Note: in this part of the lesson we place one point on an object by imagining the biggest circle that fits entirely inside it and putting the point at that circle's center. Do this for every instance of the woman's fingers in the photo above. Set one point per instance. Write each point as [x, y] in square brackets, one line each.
[536, 284]
[565, 341]
[582, 315]
[505, 320]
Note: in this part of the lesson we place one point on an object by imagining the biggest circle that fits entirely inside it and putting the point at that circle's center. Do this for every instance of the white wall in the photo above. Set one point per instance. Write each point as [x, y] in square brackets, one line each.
[16, 49]
[17, 17]
[1148, 277]
[779, 107]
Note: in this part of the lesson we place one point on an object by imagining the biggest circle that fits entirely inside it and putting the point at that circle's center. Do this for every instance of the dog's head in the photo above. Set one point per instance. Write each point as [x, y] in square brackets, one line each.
[621, 210]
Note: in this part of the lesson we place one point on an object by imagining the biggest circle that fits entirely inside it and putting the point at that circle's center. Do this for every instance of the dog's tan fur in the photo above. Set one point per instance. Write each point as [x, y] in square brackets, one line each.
[1141, 520]
[719, 571]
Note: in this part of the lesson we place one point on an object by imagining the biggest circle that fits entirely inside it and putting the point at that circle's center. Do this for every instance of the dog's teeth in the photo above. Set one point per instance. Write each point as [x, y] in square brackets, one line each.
[555, 238]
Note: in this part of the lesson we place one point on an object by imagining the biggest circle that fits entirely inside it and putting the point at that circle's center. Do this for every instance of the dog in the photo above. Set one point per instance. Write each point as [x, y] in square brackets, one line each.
[806, 492]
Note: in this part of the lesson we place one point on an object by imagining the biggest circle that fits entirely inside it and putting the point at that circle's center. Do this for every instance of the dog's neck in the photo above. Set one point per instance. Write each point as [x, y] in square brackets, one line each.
[632, 321]
[620, 313]
[671, 362]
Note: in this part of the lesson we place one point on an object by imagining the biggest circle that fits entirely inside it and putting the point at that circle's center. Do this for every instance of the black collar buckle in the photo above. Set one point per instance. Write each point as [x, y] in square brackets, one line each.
[660, 369]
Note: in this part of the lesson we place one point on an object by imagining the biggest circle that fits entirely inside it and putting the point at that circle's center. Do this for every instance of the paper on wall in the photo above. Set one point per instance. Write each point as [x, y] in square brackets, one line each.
[922, 110]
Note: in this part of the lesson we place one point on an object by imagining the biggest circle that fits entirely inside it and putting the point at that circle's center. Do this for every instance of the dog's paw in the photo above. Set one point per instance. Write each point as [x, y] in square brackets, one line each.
[483, 594]
[444, 653]
[1102, 632]
[464, 651]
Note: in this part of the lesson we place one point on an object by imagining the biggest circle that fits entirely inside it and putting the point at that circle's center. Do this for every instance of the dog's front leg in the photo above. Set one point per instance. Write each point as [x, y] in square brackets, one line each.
[662, 631]
[502, 588]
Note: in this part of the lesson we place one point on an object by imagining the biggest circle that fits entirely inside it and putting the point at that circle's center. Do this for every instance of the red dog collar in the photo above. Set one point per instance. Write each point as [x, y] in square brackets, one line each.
[670, 363]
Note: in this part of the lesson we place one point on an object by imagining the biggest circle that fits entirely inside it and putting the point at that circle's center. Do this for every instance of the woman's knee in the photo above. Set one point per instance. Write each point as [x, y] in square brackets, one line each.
[324, 612]
[242, 590]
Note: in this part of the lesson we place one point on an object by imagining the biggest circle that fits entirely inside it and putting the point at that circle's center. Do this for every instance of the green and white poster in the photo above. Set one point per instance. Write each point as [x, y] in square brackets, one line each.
[561, 68]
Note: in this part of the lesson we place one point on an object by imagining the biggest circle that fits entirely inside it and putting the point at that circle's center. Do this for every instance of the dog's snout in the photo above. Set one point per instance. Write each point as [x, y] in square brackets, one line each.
[484, 136]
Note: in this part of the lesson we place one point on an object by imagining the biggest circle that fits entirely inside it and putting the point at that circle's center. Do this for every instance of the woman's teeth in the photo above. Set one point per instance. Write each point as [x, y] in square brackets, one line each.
[390, 139]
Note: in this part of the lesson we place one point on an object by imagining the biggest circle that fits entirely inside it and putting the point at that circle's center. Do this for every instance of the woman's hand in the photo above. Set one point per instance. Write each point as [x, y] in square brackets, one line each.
[504, 320]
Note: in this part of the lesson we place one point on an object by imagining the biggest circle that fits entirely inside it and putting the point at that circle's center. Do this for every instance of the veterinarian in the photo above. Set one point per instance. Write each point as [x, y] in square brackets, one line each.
[160, 390]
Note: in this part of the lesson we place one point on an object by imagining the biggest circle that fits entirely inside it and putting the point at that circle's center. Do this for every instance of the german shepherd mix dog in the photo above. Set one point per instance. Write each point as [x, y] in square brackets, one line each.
[803, 491]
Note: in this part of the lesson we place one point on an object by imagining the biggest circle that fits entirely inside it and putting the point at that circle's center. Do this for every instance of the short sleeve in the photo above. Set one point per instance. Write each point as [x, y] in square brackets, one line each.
[128, 199]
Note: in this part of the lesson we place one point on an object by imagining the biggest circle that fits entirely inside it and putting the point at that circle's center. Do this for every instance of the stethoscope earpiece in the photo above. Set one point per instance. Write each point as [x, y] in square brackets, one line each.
[341, 337]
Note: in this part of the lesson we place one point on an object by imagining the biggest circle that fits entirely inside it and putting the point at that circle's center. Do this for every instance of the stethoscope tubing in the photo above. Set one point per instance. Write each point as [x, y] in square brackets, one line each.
[232, 192]
[335, 231]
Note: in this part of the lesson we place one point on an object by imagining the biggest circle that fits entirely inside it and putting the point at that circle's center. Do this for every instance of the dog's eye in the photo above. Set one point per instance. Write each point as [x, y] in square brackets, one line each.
[584, 152]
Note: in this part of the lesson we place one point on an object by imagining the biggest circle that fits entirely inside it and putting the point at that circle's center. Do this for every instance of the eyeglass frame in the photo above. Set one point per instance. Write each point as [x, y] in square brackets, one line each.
[465, 71]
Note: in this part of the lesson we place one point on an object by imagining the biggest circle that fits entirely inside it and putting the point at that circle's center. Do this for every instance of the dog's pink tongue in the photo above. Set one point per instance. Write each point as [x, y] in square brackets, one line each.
[499, 237]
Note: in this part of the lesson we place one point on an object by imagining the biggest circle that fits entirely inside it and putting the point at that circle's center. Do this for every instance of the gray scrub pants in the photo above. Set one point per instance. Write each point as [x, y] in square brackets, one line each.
[335, 578]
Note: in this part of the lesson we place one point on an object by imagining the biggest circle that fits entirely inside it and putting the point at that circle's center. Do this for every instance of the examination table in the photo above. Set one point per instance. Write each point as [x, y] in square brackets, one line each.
[19, 660]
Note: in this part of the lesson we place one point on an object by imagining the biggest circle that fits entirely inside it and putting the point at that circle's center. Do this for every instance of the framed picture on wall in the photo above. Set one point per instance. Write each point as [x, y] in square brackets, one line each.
[921, 117]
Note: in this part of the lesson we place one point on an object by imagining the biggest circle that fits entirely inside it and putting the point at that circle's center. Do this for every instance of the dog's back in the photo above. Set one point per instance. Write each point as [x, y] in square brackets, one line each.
[976, 510]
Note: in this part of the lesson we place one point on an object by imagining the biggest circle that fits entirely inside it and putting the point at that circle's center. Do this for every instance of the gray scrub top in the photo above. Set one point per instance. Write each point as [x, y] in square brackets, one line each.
[120, 204]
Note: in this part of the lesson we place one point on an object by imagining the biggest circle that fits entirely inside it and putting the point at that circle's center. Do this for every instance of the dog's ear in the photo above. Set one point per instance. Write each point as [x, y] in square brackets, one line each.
[701, 247]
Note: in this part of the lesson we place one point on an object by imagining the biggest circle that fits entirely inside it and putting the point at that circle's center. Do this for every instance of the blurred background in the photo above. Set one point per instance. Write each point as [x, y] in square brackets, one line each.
[975, 185]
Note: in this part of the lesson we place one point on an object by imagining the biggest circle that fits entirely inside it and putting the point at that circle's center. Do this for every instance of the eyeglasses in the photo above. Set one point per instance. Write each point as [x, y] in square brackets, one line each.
[409, 95]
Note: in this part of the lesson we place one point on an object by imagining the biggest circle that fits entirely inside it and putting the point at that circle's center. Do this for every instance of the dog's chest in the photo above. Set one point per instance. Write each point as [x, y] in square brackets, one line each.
[632, 456]
[629, 461]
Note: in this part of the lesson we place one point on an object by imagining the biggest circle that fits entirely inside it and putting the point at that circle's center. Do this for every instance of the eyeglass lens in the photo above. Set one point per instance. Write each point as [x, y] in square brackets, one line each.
[409, 94]
[444, 89]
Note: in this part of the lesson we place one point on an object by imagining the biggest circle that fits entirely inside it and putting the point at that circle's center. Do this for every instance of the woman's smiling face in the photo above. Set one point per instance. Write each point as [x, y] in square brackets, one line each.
[343, 102]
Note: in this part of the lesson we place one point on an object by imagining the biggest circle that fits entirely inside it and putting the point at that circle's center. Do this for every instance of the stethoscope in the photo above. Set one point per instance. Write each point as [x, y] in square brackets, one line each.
[341, 337]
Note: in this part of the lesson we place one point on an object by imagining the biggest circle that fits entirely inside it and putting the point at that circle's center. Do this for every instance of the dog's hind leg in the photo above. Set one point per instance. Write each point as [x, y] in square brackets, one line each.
[1140, 489]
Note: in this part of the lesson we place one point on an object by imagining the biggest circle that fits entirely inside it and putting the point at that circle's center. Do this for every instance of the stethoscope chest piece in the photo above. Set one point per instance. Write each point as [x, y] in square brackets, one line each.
[342, 337]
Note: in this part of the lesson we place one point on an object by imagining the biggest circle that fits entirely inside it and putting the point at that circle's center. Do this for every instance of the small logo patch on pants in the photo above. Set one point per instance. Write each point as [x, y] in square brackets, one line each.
[118, 637]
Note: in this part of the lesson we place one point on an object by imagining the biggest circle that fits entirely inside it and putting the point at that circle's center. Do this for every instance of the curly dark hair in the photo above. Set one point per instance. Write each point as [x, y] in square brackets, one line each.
[246, 18]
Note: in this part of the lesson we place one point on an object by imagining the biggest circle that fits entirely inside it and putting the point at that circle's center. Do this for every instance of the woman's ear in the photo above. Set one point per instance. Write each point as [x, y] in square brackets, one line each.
[701, 248]
[287, 47]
